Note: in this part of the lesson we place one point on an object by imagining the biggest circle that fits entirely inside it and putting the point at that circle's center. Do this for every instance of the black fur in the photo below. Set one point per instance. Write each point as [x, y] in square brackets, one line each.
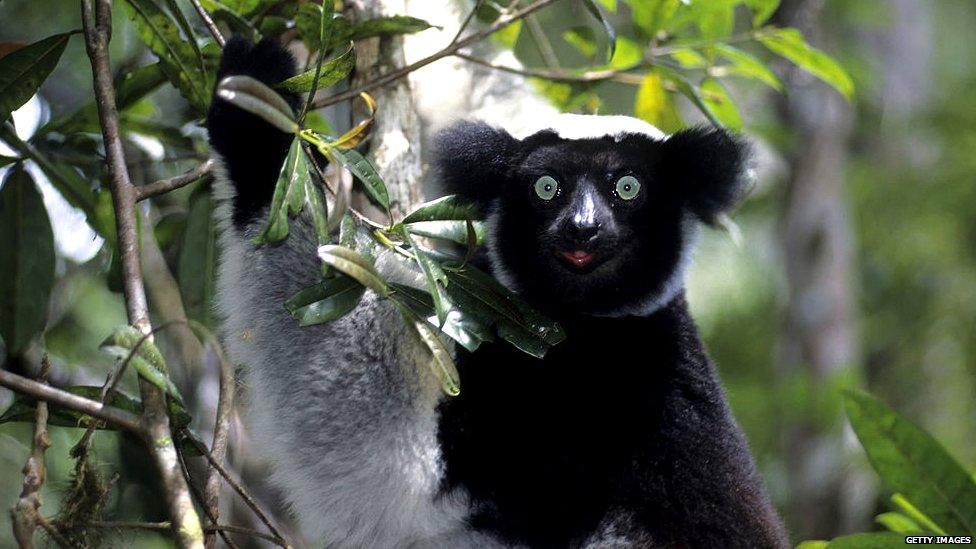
[252, 149]
[627, 416]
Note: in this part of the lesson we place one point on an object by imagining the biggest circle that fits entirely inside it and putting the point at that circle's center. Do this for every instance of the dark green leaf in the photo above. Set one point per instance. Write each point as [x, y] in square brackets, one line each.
[177, 57]
[325, 301]
[236, 23]
[22, 71]
[138, 83]
[353, 264]
[461, 327]
[789, 43]
[365, 173]
[26, 260]
[433, 273]
[198, 258]
[913, 513]
[256, 98]
[294, 170]
[386, 26]
[450, 207]
[7, 160]
[607, 27]
[762, 10]
[188, 35]
[914, 464]
[333, 71]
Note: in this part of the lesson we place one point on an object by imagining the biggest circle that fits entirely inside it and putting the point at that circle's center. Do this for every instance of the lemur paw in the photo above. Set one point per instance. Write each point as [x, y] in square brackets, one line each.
[252, 150]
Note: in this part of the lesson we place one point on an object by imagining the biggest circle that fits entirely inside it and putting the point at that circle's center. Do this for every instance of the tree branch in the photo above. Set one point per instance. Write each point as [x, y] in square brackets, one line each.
[121, 418]
[451, 49]
[97, 23]
[26, 511]
[166, 185]
[558, 75]
[209, 22]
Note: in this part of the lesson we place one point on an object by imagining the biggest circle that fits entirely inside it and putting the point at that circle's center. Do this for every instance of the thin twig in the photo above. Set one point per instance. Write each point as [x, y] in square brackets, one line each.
[467, 20]
[121, 418]
[166, 185]
[392, 76]
[209, 22]
[542, 43]
[97, 23]
[26, 511]
[165, 525]
[559, 75]
[199, 499]
[237, 486]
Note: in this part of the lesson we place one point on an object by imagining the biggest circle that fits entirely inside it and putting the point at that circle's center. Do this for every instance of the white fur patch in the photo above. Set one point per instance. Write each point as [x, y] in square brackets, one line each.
[591, 126]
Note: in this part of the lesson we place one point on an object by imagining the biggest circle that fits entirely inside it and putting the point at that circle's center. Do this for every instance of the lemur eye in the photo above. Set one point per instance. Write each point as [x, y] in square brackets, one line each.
[546, 187]
[627, 187]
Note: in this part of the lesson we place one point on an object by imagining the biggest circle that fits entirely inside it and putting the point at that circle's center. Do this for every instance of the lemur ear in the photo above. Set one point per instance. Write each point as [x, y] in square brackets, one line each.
[473, 160]
[708, 165]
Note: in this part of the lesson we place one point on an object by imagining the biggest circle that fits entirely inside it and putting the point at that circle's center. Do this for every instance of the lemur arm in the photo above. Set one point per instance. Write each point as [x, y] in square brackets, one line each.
[345, 411]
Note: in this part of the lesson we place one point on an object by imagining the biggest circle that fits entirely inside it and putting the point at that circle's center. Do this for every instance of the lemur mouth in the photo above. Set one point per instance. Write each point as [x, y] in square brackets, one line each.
[577, 258]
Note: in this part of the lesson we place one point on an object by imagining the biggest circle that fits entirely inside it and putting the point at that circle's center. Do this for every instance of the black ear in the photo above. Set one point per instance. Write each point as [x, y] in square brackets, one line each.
[473, 160]
[708, 165]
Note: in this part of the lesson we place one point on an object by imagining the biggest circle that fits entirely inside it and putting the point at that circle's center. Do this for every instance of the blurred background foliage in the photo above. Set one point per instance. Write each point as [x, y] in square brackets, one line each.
[857, 261]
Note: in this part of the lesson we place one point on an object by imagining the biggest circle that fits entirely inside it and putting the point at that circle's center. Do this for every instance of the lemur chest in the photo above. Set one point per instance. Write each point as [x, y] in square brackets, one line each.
[543, 446]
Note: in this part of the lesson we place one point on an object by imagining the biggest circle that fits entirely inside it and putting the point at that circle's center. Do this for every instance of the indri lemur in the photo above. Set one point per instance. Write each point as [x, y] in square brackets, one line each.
[620, 437]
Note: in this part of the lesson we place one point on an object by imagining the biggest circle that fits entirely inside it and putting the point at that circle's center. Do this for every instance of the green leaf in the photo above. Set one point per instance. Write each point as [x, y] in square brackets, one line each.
[897, 522]
[256, 98]
[240, 7]
[22, 71]
[365, 173]
[607, 27]
[137, 83]
[912, 512]
[689, 91]
[8, 160]
[177, 56]
[652, 16]
[913, 463]
[353, 264]
[654, 104]
[463, 328]
[629, 54]
[293, 172]
[386, 26]
[455, 231]
[762, 10]
[126, 342]
[333, 71]
[187, 31]
[26, 260]
[441, 362]
[745, 64]
[717, 99]
[789, 43]
[318, 210]
[198, 258]
[236, 23]
[325, 301]
[583, 39]
[450, 207]
[433, 273]
[508, 36]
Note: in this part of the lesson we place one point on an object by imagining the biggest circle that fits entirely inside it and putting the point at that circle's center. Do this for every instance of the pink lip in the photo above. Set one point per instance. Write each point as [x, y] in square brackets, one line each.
[579, 258]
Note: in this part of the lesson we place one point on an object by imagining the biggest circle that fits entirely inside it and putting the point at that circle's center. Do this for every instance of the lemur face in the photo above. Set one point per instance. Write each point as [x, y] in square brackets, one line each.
[598, 225]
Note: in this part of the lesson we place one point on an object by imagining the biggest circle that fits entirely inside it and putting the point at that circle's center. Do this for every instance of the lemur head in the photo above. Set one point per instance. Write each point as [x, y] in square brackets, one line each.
[593, 214]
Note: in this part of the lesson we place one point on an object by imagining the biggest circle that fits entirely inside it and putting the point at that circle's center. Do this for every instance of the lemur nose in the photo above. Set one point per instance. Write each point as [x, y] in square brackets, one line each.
[584, 232]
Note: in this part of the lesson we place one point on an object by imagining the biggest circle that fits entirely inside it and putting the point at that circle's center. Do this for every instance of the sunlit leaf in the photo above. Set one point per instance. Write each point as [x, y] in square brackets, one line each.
[583, 39]
[240, 7]
[455, 231]
[913, 513]
[198, 258]
[326, 300]
[358, 133]
[652, 16]
[719, 103]
[450, 207]
[897, 522]
[353, 264]
[872, 540]
[333, 71]
[689, 58]
[914, 464]
[747, 65]
[364, 171]
[789, 43]
[629, 54]
[762, 10]
[23, 70]
[26, 260]
[178, 58]
[508, 36]
[654, 104]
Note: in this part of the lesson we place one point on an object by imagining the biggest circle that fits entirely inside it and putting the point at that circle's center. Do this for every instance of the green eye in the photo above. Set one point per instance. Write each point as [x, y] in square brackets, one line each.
[627, 187]
[546, 187]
